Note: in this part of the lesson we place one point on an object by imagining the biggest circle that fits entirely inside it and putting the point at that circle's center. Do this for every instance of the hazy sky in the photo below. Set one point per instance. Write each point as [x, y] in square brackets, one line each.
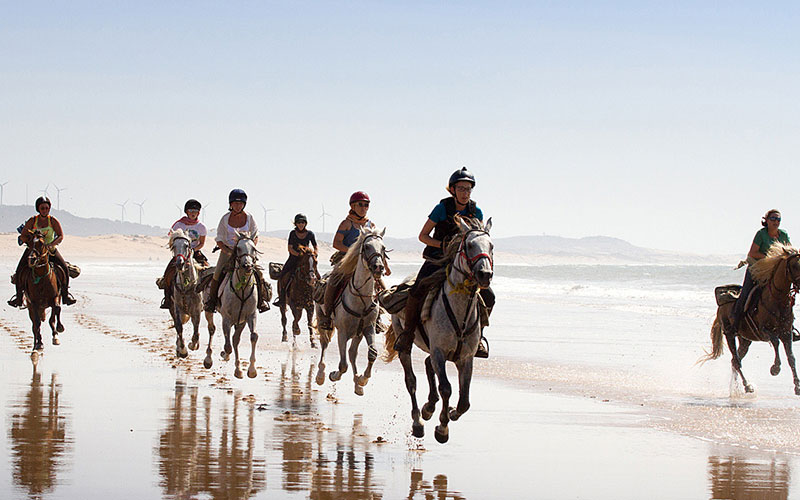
[672, 125]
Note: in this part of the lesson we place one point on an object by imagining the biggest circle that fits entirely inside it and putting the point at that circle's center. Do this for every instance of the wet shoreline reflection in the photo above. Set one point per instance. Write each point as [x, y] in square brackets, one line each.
[743, 478]
[39, 438]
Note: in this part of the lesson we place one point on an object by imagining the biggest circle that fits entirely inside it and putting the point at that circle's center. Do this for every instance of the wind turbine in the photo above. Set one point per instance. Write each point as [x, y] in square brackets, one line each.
[141, 209]
[1, 192]
[180, 210]
[58, 206]
[265, 215]
[44, 191]
[122, 205]
[204, 212]
[324, 214]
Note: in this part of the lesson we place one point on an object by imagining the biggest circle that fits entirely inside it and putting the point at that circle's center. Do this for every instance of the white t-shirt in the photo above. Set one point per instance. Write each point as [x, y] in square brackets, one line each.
[195, 231]
[227, 234]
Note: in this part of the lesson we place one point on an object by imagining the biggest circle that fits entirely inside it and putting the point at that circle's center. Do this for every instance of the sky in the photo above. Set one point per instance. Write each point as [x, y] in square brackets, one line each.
[672, 125]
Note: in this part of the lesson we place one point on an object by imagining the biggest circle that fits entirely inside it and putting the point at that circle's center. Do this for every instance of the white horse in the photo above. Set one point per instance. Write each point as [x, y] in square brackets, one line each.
[453, 330]
[186, 300]
[355, 313]
[238, 298]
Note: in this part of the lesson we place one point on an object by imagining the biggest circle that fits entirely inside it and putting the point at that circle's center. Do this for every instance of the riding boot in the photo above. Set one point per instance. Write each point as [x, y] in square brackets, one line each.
[405, 340]
[66, 298]
[263, 301]
[166, 302]
[211, 302]
[324, 318]
[281, 292]
[169, 275]
[16, 300]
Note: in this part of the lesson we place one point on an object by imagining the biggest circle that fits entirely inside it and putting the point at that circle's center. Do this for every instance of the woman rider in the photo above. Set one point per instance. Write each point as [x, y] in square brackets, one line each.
[53, 235]
[346, 234]
[299, 236]
[236, 220]
[191, 225]
[441, 222]
[764, 238]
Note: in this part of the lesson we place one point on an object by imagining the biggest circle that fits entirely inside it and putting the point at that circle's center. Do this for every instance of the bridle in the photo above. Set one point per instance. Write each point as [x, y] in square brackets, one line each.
[470, 262]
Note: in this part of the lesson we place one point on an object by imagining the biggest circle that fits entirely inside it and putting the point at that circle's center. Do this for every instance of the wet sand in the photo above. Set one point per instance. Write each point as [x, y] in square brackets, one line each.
[112, 413]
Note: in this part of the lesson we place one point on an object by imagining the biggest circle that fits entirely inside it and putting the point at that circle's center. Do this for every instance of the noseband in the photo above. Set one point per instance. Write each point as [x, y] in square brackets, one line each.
[375, 255]
[471, 261]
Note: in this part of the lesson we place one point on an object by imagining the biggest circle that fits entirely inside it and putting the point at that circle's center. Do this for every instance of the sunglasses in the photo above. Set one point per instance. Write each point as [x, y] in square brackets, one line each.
[362, 204]
[463, 189]
[773, 218]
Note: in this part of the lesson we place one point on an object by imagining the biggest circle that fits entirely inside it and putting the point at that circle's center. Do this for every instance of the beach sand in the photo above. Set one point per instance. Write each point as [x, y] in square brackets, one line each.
[111, 412]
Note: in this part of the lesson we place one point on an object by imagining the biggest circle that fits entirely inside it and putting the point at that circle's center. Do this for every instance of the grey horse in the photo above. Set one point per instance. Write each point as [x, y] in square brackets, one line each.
[186, 300]
[453, 328]
[355, 313]
[237, 304]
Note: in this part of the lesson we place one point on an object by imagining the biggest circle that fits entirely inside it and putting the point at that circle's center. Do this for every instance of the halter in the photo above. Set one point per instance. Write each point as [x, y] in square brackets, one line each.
[471, 261]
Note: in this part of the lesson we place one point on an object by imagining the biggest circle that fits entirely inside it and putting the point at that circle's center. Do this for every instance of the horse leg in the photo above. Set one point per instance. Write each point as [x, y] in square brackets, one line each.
[736, 361]
[310, 318]
[445, 390]
[55, 318]
[417, 429]
[59, 325]
[353, 355]
[251, 325]
[464, 381]
[208, 362]
[195, 343]
[433, 394]
[36, 326]
[323, 345]
[177, 319]
[283, 322]
[226, 332]
[786, 338]
[297, 314]
[341, 336]
[372, 355]
[237, 335]
[776, 364]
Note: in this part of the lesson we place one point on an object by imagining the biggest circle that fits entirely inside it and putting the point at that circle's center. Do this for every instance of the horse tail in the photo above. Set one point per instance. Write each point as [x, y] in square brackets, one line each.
[388, 345]
[716, 343]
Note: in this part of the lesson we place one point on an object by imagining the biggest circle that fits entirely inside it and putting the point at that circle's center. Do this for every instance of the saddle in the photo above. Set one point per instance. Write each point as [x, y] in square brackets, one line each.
[394, 299]
[339, 281]
[730, 293]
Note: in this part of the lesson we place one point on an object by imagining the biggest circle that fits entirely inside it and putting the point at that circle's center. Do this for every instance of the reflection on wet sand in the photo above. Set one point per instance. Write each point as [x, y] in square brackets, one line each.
[427, 490]
[190, 464]
[745, 478]
[38, 437]
[343, 469]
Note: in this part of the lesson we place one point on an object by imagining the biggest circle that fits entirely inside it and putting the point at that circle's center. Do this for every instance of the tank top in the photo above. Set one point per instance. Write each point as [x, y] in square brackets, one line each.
[48, 231]
[232, 232]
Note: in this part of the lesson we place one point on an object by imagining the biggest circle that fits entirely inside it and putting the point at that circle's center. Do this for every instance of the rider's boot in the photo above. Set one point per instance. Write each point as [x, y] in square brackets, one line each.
[263, 303]
[211, 302]
[483, 344]
[281, 292]
[16, 300]
[324, 319]
[405, 340]
[66, 298]
[166, 302]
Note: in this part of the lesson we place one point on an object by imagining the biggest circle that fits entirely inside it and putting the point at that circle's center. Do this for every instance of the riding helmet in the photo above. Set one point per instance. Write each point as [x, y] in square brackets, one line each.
[192, 205]
[237, 195]
[42, 199]
[300, 218]
[359, 196]
[461, 175]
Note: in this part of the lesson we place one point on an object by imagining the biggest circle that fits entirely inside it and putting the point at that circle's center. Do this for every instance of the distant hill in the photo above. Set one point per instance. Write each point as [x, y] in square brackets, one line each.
[11, 216]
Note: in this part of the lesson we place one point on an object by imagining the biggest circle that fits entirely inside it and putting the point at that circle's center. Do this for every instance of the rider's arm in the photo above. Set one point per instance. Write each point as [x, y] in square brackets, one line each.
[201, 240]
[754, 252]
[338, 239]
[425, 235]
[26, 235]
[58, 231]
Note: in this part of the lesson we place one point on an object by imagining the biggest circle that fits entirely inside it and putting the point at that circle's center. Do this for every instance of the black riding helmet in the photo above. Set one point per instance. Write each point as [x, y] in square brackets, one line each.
[300, 218]
[41, 200]
[192, 204]
[237, 195]
[461, 175]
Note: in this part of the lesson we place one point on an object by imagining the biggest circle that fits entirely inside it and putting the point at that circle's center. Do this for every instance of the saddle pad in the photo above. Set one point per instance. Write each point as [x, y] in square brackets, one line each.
[275, 269]
[727, 293]
[394, 299]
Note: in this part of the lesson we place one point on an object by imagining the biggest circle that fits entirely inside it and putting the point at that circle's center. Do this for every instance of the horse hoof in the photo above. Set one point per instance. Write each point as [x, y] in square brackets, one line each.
[441, 434]
[362, 381]
[320, 378]
[60, 328]
[194, 345]
[748, 388]
[251, 372]
[335, 376]
[182, 353]
[359, 390]
[207, 363]
[56, 341]
[225, 356]
[417, 430]
[237, 373]
[313, 344]
[427, 410]
[774, 370]
[284, 338]
[797, 391]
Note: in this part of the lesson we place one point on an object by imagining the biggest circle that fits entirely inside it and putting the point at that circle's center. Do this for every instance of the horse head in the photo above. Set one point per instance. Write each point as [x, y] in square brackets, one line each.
[246, 253]
[373, 251]
[475, 255]
[39, 252]
[793, 268]
[181, 247]
[307, 265]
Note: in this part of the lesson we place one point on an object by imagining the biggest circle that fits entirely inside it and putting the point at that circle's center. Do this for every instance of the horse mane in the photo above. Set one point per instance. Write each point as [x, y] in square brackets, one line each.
[763, 269]
[438, 277]
[177, 233]
[349, 262]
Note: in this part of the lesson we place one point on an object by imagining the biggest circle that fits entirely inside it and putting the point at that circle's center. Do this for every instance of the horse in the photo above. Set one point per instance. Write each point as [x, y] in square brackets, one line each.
[187, 301]
[356, 311]
[778, 276]
[42, 285]
[452, 330]
[299, 294]
[237, 305]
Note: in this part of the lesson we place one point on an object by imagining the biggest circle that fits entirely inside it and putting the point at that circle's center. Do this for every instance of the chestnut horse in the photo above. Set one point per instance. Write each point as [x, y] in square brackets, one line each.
[42, 285]
[299, 294]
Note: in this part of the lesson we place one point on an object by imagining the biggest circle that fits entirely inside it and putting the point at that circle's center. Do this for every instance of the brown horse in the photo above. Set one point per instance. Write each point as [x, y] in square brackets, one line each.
[299, 294]
[41, 283]
[778, 276]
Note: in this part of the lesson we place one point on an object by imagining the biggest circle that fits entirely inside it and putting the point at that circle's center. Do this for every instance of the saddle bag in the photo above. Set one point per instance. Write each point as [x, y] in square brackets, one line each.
[73, 270]
[727, 293]
[394, 299]
[275, 269]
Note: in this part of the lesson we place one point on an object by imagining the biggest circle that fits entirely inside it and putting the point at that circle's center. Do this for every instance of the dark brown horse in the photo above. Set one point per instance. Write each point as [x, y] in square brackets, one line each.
[299, 294]
[41, 283]
[771, 320]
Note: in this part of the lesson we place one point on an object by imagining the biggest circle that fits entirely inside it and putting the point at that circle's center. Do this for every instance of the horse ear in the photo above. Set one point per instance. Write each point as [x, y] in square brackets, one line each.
[488, 226]
[462, 226]
[383, 232]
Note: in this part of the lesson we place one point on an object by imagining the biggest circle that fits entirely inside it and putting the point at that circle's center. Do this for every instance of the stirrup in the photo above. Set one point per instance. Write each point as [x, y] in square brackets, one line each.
[483, 350]
[15, 301]
[68, 299]
[263, 307]
[164, 304]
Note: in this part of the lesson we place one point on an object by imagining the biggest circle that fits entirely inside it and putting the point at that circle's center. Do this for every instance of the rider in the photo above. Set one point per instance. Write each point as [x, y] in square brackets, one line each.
[441, 222]
[236, 220]
[53, 235]
[191, 225]
[299, 236]
[347, 234]
[764, 238]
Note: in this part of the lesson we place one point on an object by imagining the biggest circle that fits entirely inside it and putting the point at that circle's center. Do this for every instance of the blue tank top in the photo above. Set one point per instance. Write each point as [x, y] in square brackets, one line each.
[351, 235]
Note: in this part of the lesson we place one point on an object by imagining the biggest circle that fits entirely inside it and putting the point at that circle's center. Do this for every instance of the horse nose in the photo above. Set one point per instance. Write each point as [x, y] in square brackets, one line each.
[483, 277]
